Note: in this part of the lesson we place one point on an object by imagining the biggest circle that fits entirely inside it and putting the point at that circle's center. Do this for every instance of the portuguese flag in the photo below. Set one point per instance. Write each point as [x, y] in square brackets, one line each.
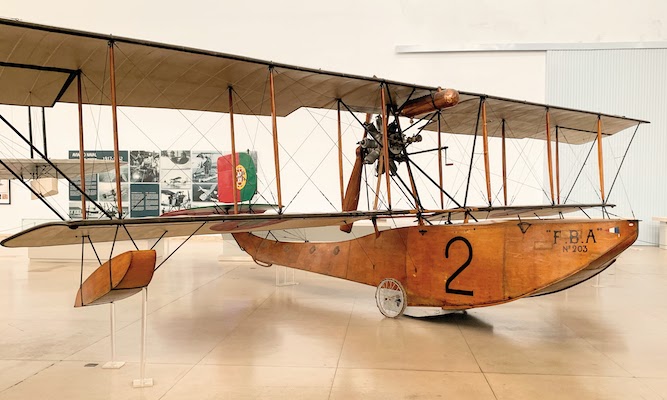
[243, 180]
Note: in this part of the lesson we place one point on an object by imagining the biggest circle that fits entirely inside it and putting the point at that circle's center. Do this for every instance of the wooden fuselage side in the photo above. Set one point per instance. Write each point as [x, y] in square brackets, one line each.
[463, 265]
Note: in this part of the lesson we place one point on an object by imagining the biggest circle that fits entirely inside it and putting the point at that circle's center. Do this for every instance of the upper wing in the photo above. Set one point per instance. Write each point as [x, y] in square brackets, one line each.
[527, 120]
[32, 168]
[39, 63]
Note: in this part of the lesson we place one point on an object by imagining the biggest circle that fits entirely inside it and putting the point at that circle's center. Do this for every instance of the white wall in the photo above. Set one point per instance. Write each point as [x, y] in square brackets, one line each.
[630, 82]
[349, 36]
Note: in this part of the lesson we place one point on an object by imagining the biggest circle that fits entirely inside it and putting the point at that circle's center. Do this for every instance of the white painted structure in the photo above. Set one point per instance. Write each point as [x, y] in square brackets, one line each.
[662, 232]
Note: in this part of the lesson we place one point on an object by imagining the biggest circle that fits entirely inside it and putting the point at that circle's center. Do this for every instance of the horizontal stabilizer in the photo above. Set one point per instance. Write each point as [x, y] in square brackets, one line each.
[31, 168]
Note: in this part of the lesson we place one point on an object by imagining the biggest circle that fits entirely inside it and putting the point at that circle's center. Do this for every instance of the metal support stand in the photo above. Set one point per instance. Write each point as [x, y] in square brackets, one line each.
[597, 282]
[282, 276]
[113, 364]
[143, 381]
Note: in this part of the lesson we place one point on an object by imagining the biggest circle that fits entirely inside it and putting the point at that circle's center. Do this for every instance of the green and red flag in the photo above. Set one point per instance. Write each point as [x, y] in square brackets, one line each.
[243, 179]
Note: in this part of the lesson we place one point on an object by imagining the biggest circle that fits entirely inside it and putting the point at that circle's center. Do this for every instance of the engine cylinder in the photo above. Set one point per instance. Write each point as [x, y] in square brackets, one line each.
[437, 101]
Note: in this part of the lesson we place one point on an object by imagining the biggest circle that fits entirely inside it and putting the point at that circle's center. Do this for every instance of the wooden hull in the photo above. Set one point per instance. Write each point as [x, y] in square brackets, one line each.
[463, 266]
[130, 272]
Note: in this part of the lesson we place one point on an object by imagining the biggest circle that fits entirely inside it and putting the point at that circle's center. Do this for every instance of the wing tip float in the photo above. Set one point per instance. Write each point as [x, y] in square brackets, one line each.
[120, 277]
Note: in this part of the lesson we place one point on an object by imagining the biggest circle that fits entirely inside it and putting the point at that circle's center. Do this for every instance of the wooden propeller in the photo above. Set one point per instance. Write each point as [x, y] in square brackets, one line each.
[351, 200]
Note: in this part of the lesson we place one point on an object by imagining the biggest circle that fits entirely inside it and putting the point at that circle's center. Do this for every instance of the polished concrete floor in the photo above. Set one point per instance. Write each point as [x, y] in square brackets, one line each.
[224, 330]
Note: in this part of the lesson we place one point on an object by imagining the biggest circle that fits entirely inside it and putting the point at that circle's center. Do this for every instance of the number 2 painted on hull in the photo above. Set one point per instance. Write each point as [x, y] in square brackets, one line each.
[461, 268]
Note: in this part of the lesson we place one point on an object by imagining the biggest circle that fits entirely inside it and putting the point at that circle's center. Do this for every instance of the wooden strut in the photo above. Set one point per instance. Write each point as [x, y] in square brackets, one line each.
[415, 195]
[504, 164]
[369, 116]
[377, 186]
[442, 195]
[485, 138]
[46, 150]
[114, 117]
[557, 169]
[472, 153]
[351, 199]
[413, 185]
[385, 144]
[233, 139]
[276, 159]
[600, 161]
[82, 167]
[340, 159]
[32, 151]
[549, 160]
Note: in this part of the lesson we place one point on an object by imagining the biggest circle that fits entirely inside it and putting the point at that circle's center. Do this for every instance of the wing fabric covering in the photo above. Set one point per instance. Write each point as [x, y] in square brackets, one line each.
[30, 168]
[71, 232]
[38, 64]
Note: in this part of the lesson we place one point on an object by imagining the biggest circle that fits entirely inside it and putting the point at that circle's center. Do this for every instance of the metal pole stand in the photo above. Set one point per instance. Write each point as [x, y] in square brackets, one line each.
[597, 282]
[282, 276]
[143, 381]
[113, 364]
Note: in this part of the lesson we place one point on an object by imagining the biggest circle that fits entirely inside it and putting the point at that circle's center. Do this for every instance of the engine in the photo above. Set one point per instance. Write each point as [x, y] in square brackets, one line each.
[371, 146]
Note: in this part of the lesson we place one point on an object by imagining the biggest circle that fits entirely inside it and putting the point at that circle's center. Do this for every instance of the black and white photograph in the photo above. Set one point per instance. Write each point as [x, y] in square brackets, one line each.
[175, 178]
[144, 166]
[174, 200]
[112, 209]
[175, 157]
[205, 192]
[107, 191]
[205, 167]
[92, 212]
[175, 169]
[111, 175]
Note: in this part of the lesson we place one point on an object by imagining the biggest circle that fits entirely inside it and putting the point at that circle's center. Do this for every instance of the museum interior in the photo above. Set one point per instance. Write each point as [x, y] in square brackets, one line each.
[301, 200]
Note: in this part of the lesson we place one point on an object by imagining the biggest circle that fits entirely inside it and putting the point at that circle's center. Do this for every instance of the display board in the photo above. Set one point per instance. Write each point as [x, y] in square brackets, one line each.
[156, 182]
[5, 191]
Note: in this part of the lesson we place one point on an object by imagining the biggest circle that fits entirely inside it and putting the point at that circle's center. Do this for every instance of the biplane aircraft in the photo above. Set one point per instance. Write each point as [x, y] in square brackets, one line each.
[454, 258]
